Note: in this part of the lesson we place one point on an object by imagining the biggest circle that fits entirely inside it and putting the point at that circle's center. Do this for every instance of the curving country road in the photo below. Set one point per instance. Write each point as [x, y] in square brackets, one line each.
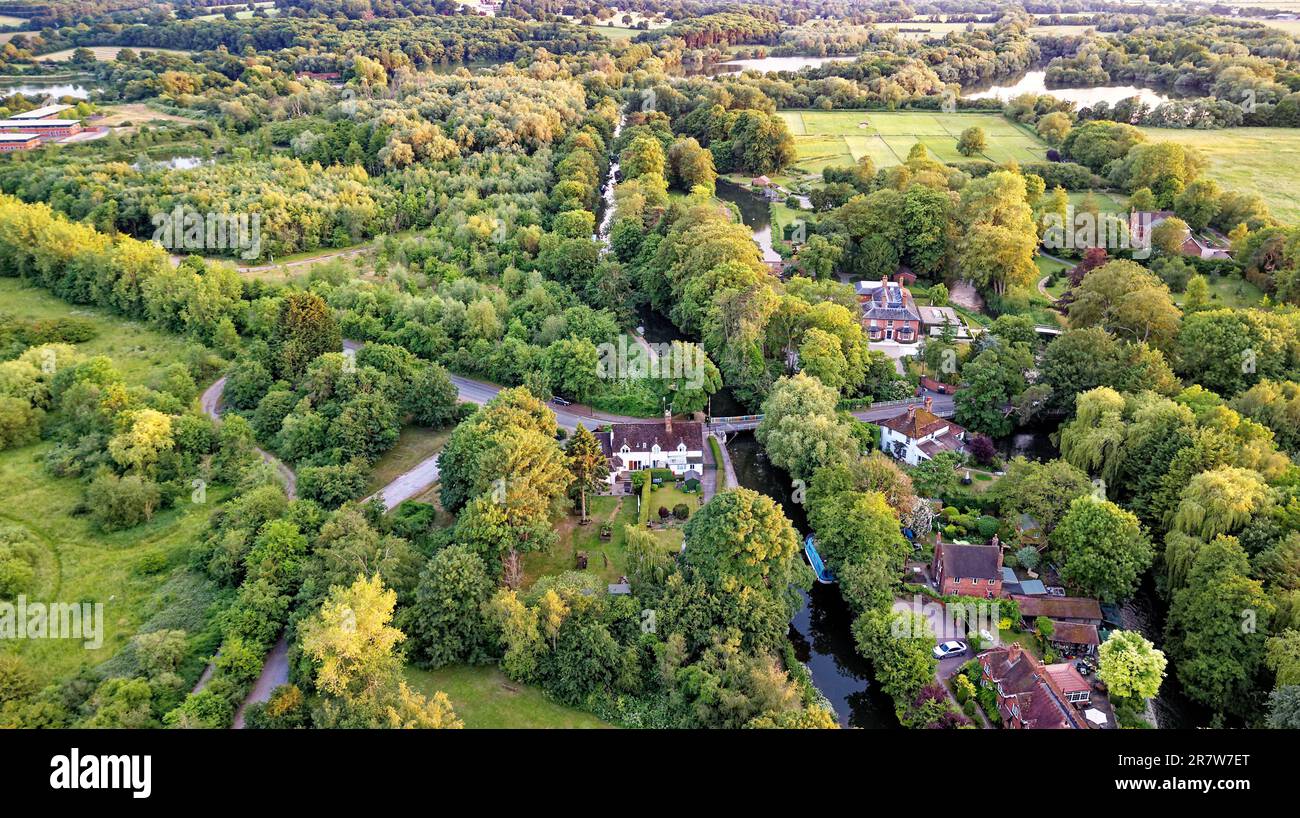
[210, 400]
[424, 474]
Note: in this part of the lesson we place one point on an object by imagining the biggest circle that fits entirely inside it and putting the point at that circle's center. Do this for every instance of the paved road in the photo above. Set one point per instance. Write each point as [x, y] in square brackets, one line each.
[275, 672]
[943, 405]
[425, 473]
[409, 484]
[210, 400]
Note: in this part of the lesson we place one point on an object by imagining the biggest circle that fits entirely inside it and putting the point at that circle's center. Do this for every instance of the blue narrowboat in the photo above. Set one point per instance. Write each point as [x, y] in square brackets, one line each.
[824, 575]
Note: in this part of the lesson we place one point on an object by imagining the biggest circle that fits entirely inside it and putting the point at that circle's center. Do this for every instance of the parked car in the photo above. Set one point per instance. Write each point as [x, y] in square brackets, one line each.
[559, 401]
[945, 649]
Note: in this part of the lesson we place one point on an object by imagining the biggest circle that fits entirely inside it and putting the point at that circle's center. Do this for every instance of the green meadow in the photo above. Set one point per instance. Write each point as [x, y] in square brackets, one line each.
[835, 138]
[1260, 160]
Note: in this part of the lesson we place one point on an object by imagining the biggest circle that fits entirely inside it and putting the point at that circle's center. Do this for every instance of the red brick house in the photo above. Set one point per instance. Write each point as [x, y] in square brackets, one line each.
[968, 570]
[889, 312]
[1033, 696]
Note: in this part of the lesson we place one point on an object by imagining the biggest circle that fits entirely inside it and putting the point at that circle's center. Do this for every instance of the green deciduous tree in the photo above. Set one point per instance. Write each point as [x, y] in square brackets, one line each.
[1130, 665]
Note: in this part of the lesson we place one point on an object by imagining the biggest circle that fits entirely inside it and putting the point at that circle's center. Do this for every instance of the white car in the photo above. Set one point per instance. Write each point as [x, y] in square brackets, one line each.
[945, 649]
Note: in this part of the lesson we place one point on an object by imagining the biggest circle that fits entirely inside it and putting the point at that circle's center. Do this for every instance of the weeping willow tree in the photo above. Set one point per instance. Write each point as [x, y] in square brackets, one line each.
[1180, 552]
[1220, 501]
[1094, 440]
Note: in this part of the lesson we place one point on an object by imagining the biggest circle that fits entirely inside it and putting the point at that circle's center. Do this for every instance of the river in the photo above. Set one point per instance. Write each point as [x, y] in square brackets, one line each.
[1035, 82]
[755, 212]
[36, 87]
[607, 193]
[767, 65]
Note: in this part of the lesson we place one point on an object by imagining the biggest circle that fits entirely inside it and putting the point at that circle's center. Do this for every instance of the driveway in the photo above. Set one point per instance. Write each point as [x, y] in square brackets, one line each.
[896, 351]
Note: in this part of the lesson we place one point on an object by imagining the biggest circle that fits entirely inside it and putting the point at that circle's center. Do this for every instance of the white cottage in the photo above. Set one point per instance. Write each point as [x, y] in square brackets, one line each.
[919, 434]
[668, 445]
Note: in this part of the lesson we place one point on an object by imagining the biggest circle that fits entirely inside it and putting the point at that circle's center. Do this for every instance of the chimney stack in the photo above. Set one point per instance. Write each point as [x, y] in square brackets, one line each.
[1013, 653]
[911, 413]
[668, 421]
[929, 402]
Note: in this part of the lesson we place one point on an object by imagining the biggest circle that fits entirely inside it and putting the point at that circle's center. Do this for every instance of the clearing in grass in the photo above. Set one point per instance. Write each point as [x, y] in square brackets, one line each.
[485, 699]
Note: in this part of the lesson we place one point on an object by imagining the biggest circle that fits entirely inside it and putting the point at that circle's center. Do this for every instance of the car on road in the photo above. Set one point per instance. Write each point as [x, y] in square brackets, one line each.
[945, 649]
[559, 401]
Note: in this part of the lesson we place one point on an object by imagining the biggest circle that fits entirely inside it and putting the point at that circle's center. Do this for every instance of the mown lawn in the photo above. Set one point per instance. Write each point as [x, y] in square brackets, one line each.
[1228, 291]
[485, 699]
[839, 138]
[608, 560]
[1258, 160]
[138, 352]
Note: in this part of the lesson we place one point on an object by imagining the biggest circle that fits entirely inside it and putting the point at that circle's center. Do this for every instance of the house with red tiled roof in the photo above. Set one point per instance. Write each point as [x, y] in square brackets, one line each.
[1033, 696]
[968, 570]
[919, 434]
[1142, 222]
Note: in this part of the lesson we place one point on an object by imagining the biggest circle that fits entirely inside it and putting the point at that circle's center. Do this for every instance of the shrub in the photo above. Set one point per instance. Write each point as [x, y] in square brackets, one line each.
[681, 511]
[332, 486]
[663, 512]
[1027, 557]
[122, 502]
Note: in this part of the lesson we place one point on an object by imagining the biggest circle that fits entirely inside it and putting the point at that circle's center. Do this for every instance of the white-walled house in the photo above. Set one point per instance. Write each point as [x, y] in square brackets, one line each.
[668, 445]
[919, 434]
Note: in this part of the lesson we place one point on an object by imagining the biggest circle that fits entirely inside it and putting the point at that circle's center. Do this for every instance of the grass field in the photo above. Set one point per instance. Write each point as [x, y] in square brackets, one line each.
[102, 53]
[615, 32]
[78, 562]
[81, 564]
[1227, 291]
[1259, 160]
[842, 137]
[606, 559]
[8, 20]
[137, 351]
[485, 699]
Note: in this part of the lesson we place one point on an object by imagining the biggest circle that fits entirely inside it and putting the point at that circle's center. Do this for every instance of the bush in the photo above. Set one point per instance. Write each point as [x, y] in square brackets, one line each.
[122, 502]
[332, 486]
[1027, 557]
[987, 526]
[681, 511]
[663, 512]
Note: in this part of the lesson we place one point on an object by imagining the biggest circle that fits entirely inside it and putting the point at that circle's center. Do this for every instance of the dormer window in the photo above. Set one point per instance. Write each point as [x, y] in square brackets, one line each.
[625, 449]
[681, 447]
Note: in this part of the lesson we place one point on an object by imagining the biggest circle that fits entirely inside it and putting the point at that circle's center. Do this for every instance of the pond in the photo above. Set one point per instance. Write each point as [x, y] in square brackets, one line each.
[174, 163]
[1035, 82]
[34, 87]
[755, 212]
[767, 65]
